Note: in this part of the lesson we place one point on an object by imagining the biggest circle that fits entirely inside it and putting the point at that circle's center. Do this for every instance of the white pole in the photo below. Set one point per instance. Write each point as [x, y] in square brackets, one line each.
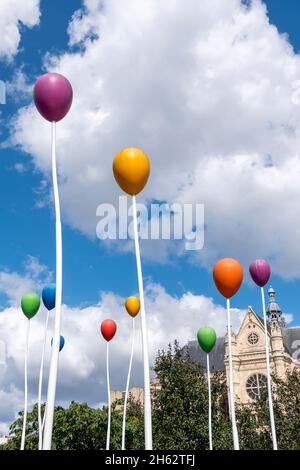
[231, 386]
[147, 397]
[272, 421]
[209, 404]
[43, 423]
[41, 385]
[58, 294]
[108, 397]
[25, 387]
[127, 388]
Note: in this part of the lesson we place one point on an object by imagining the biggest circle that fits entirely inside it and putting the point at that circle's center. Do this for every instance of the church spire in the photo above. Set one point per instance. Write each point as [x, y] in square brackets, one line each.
[274, 312]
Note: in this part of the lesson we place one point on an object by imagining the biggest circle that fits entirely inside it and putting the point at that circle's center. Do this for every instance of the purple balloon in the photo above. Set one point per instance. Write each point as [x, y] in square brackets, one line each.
[53, 96]
[260, 272]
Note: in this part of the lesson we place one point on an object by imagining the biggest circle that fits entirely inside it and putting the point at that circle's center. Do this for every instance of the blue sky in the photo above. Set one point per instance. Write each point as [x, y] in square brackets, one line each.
[213, 98]
[88, 267]
[285, 16]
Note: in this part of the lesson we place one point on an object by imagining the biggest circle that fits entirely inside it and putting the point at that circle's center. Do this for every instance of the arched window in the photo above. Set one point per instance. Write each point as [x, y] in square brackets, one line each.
[255, 384]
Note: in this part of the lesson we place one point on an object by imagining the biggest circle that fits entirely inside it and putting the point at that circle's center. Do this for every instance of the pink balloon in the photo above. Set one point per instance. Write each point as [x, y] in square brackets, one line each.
[260, 272]
[53, 96]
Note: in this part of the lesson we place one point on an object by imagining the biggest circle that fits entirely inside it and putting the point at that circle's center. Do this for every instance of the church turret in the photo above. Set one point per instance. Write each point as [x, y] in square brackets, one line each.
[274, 312]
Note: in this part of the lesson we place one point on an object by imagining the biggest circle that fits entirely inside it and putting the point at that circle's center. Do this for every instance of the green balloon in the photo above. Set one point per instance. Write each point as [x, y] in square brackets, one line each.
[30, 304]
[206, 338]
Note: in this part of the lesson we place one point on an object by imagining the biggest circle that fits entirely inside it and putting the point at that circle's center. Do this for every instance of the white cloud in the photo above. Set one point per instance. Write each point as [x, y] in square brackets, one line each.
[14, 285]
[13, 15]
[18, 88]
[288, 317]
[211, 92]
[36, 269]
[20, 167]
[82, 373]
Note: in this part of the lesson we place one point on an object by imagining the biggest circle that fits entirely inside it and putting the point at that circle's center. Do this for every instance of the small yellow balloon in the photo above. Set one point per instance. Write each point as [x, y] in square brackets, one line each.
[131, 169]
[132, 305]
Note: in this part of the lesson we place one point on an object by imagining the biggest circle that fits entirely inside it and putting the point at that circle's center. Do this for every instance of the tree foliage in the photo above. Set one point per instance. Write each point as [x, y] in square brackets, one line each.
[254, 422]
[180, 406]
[180, 414]
[80, 427]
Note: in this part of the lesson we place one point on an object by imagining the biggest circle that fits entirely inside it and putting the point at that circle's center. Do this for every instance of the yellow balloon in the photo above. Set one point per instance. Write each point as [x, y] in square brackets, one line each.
[131, 169]
[132, 305]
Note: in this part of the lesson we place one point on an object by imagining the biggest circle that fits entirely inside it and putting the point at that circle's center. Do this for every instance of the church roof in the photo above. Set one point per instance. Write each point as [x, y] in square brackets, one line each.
[261, 321]
[290, 336]
[273, 305]
[274, 312]
[216, 356]
[291, 339]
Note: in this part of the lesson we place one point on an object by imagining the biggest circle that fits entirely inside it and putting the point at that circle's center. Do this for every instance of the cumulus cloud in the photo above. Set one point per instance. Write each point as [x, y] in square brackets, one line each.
[13, 15]
[19, 88]
[211, 92]
[82, 373]
[13, 285]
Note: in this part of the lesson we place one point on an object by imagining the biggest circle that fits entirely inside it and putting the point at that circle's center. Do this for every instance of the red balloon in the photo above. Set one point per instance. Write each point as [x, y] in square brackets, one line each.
[108, 329]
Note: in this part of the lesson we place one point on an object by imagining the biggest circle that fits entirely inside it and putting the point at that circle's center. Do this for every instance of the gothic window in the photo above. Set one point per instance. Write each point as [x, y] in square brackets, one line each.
[255, 384]
[253, 338]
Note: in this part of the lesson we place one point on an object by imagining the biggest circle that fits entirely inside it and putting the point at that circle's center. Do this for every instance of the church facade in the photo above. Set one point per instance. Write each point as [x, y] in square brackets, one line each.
[248, 354]
[248, 351]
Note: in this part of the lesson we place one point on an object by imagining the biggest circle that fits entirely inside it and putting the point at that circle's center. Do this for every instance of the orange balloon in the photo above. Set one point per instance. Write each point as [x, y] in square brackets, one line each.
[228, 276]
[132, 305]
[131, 169]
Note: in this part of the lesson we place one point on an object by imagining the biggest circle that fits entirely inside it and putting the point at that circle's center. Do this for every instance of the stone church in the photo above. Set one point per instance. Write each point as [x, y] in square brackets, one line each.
[248, 351]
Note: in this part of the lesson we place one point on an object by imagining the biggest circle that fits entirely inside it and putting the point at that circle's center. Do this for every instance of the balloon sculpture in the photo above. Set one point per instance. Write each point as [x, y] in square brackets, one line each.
[207, 339]
[53, 97]
[30, 304]
[48, 297]
[61, 342]
[108, 330]
[260, 272]
[131, 169]
[132, 305]
[228, 277]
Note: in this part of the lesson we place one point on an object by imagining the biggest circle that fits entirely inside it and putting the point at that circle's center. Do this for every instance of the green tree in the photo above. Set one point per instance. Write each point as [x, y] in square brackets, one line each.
[15, 431]
[80, 427]
[286, 398]
[180, 414]
[287, 411]
[180, 405]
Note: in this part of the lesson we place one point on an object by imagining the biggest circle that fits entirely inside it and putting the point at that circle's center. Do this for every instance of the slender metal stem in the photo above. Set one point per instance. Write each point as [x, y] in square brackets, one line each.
[25, 387]
[231, 385]
[147, 396]
[41, 385]
[108, 397]
[127, 387]
[209, 404]
[47, 439]
[44, 417]
[271, 411]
